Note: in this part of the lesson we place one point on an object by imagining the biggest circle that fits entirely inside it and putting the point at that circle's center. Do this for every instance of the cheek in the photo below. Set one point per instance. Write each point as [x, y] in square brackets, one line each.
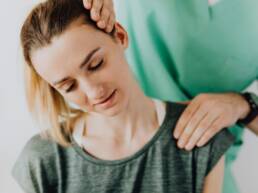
[124, 76]
[118, 71]
[79, 99]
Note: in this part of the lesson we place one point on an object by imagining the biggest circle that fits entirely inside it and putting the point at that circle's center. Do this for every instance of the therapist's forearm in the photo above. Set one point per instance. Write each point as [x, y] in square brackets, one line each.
[253, 126]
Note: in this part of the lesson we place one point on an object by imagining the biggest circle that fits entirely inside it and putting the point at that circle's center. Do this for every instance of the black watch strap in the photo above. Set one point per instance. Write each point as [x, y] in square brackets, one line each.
[253, 103]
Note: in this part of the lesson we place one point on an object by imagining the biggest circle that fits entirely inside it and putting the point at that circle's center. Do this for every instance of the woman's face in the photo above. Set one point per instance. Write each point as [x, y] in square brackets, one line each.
[88, 68]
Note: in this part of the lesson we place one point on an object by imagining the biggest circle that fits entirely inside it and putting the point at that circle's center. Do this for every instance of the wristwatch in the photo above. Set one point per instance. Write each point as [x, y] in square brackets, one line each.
[252, 100]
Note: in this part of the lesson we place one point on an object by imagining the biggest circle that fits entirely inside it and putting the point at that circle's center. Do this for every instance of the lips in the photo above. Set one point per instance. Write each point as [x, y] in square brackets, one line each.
[105, 100]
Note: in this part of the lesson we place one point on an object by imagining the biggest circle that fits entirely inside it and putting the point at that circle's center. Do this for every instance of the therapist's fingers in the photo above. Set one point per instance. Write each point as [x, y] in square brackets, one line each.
[185, 118]
[102, 11]
[108, 15]
[96, 9]
[87, 3]
[111, 23]
[190, 127]
[214, 128]
[203, 126]
[105, 14]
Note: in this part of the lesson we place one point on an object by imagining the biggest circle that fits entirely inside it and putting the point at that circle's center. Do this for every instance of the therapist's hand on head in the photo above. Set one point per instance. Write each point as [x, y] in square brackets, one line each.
[206, 115]
[102, 11]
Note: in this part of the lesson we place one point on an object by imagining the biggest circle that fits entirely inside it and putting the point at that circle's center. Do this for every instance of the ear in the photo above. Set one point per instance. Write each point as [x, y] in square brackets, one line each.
[121, 35]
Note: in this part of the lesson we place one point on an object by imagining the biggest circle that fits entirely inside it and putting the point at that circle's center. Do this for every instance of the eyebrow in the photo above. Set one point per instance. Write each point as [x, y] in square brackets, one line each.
[84, 62]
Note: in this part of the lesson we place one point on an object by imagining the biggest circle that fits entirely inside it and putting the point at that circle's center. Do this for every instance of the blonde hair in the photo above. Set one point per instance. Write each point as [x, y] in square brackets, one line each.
[48, 107]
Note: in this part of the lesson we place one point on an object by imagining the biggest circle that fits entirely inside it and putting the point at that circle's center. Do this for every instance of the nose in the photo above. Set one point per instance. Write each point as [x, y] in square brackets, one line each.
[95, 92]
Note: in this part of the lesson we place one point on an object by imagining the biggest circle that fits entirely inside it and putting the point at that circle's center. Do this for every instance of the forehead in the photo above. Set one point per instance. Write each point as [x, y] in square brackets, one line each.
[67, 50]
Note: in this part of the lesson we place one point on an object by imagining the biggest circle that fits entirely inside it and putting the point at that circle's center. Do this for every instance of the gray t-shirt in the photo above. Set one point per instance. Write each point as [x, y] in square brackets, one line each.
[158, 167]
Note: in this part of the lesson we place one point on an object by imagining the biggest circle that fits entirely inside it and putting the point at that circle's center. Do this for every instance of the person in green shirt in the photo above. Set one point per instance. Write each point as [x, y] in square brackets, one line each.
[192, 50]
[118, 140]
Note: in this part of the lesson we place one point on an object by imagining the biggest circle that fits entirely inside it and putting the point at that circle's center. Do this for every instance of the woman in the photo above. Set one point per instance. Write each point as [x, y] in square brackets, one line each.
[118, 140]
[193, 50]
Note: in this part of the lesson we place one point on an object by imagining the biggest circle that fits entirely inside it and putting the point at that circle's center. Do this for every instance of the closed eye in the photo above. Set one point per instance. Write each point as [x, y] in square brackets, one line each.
[70, 88]
[96, 67]
[93, 68]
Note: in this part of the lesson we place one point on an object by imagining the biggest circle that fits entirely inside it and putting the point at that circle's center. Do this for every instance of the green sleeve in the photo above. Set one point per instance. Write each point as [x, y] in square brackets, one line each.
[206, 157]
[34, 169]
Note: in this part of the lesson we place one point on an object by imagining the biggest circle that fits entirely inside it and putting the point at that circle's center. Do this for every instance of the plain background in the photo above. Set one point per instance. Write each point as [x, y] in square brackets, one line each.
[17, 126]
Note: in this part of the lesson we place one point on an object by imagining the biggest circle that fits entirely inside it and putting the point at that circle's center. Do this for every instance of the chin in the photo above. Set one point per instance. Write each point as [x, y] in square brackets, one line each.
[111, 113]
[120, 107]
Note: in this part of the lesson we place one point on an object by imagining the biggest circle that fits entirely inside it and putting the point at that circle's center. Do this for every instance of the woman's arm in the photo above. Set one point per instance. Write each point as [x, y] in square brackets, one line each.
[214, 180]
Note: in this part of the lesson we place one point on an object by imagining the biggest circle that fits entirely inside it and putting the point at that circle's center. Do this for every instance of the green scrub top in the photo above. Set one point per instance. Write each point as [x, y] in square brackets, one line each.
[181, 48]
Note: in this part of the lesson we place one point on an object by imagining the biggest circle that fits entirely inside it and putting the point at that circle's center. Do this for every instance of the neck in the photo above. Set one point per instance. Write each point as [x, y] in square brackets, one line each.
[137, 120]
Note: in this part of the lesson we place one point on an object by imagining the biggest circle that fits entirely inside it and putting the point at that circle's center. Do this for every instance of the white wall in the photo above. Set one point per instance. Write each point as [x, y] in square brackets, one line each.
[17, 127]
[246, 166]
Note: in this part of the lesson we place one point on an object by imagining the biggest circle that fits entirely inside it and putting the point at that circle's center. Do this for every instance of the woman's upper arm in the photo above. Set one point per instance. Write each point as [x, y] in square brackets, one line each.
[214, 180]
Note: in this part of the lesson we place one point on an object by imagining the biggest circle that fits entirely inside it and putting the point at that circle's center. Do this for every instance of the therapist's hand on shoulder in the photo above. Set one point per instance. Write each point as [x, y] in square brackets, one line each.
[102, 12]
[206, 115]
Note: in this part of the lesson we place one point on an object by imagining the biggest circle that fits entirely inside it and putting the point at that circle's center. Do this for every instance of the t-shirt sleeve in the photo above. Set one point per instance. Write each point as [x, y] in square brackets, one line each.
[33, 168]
[206, 157]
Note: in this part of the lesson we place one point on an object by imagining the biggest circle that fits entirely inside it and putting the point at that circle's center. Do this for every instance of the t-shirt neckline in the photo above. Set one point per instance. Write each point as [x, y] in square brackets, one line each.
[129, 158]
